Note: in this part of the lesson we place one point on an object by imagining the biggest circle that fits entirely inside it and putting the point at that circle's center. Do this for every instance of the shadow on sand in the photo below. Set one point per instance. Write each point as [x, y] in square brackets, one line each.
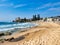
[15, 39]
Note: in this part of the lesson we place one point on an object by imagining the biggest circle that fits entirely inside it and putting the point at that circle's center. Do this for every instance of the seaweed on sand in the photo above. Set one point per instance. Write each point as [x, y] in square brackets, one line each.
[15, 39]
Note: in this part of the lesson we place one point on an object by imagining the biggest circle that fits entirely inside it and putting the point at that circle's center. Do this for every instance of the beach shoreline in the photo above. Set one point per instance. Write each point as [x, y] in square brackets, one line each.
[43, 29]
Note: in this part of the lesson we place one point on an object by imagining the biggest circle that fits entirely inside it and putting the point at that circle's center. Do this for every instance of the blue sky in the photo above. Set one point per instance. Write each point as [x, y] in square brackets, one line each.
[10, 9]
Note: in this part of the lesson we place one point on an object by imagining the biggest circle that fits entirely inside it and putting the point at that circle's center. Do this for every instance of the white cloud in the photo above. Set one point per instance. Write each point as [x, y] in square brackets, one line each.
[55, 9]
[3, 0]
[12, 5]
[58, 3]
[44, 6]
[52, 11]
[2, 5]
[48, 5]
[20, 5]
[6, 5]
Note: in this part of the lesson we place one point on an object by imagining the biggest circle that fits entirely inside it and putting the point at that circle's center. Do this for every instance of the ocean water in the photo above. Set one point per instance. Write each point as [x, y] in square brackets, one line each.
[5, 26]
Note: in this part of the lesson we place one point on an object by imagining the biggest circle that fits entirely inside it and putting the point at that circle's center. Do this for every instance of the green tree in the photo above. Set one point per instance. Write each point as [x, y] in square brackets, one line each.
[25, 19]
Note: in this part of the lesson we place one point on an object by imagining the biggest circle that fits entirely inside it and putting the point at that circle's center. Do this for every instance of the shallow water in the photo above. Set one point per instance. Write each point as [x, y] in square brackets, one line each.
[5, 26]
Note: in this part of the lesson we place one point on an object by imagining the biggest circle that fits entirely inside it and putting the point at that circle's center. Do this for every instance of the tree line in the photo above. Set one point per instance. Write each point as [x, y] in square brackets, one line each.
[34, 18]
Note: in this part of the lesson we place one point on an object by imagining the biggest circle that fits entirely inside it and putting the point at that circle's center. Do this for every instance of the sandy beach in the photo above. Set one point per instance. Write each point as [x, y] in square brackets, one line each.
[46, 33]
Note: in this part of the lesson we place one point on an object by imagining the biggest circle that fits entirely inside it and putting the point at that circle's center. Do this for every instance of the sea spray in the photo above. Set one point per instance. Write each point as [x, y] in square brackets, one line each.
[13, 26]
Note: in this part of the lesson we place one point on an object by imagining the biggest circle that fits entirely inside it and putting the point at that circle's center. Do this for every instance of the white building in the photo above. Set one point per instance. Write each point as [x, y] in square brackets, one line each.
[49, 19]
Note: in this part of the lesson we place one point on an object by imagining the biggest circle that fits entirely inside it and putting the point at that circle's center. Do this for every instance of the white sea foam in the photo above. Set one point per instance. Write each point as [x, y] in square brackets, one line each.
[14, 26]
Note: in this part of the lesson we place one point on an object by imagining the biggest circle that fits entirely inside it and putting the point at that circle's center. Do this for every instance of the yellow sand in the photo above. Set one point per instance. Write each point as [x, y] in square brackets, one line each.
[46, 33]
